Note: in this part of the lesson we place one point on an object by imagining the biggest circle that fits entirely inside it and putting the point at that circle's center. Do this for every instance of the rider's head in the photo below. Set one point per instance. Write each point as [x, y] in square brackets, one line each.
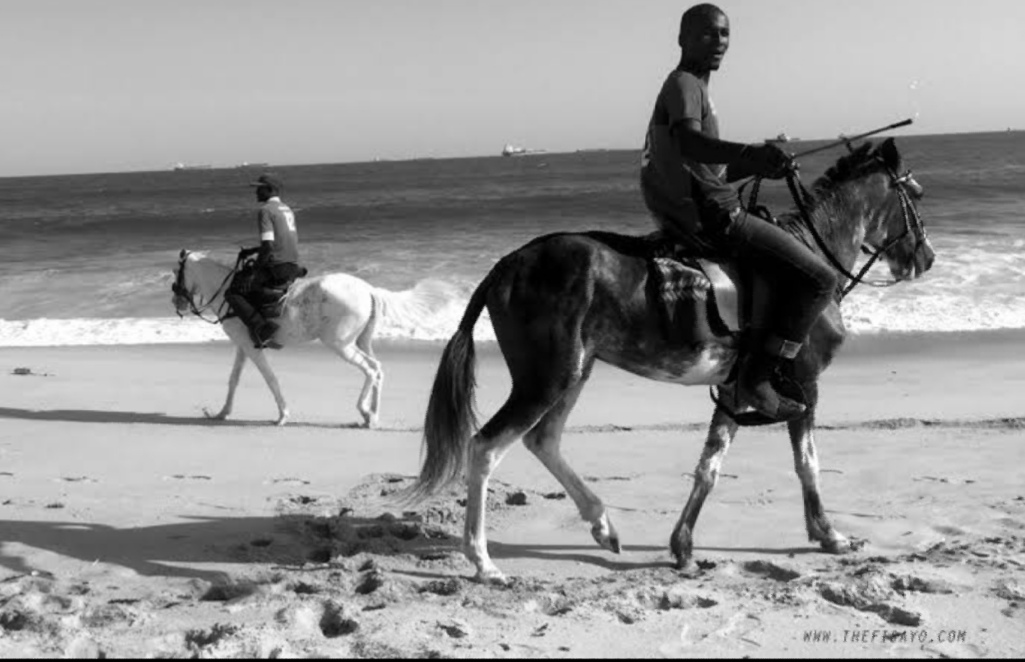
[267, 186]
[704, 38]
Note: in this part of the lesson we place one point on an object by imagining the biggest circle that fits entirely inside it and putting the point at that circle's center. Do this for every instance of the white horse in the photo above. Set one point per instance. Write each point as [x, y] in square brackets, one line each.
[339, 309]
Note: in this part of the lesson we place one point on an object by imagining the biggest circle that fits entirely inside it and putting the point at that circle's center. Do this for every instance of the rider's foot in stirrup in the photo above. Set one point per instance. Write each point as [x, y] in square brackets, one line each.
[764, 398]
[756, 388]
[263, 335]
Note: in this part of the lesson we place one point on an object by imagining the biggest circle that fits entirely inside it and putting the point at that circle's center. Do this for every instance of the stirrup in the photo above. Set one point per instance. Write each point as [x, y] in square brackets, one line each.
[265, 343]
[777, 347]
[752, 418]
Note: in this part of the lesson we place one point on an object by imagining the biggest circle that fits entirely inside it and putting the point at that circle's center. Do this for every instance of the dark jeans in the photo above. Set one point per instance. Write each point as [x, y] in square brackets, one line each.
[252, 289]
[801, 282]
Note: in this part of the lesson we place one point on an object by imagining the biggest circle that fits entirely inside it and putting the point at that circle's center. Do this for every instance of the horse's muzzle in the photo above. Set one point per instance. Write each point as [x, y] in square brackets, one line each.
[181, 304]
[924, 258]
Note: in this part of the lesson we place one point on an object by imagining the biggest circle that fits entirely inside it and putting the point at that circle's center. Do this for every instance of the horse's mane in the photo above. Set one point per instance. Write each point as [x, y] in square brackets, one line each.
[846, 168]
[826, 190]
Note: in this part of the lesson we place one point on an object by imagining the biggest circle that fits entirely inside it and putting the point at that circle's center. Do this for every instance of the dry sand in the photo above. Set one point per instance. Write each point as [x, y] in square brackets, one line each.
[131, 526]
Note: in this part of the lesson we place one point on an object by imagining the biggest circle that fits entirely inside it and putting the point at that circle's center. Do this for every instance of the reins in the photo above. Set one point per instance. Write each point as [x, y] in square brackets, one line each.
[800, 194]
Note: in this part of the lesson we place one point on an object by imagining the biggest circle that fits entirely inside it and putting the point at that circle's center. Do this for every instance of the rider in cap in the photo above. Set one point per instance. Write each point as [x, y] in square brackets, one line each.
[277, 261]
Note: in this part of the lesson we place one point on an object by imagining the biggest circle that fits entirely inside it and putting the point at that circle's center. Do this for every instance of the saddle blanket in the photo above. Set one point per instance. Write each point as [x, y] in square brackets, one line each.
[678, 285]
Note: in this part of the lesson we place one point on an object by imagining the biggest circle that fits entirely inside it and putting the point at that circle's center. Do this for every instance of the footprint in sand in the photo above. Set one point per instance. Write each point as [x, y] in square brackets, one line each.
[737, 627]
[949, 530]
[287, 481]
[184, 477]
[76, 479]
[956, 651]
[602, 479]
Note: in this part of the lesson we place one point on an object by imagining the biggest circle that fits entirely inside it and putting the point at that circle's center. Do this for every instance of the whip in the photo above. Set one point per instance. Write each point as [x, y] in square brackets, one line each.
[846, 140]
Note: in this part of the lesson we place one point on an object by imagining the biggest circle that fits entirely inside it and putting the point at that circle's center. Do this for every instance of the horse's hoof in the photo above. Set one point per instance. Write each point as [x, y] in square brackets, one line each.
[605, 535]
[841, 545]
[219, 416]
[492, 577]
[282, 421]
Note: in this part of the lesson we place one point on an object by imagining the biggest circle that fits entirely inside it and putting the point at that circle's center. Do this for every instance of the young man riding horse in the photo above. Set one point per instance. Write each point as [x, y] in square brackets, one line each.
[684, 175]
[276, 266]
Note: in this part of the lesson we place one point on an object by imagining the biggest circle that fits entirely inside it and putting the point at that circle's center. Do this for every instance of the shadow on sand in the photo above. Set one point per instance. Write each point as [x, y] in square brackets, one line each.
[172, 550]
[156, 418]
[175, 550]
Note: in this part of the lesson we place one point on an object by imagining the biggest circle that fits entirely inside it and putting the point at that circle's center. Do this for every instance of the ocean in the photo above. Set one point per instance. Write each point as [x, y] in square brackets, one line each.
[88, 259]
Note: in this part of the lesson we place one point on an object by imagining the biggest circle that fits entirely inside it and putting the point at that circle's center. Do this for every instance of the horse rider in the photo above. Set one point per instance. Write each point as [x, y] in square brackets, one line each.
[685, 175]
[276, 264]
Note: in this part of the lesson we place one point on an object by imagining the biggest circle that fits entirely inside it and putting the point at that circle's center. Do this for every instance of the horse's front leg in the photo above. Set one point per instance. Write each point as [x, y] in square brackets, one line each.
[806, 463]
[260, 359]
[720, 435]
[236, 373]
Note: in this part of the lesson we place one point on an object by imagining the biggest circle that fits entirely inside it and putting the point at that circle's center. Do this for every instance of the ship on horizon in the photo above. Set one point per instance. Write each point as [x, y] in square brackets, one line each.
[781, 138]
[513, 150]
[178, 167]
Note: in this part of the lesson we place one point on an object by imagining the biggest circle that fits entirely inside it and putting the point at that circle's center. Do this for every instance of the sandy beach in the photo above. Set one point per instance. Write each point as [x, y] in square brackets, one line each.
[132, 526]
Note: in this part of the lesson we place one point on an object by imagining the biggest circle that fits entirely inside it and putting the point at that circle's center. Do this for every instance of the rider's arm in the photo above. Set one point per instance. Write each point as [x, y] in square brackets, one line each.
[265, 250]
[703, 148]
[741, 160]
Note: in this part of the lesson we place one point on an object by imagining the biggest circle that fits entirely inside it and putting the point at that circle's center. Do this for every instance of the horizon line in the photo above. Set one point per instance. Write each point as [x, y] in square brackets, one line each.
[531, 152]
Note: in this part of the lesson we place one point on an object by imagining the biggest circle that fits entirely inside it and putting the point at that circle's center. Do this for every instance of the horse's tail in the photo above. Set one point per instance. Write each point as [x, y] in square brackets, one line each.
[451, 421]
[410, 308]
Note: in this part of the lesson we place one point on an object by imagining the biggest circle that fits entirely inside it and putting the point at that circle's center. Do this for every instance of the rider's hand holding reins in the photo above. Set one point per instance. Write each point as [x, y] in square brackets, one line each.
[768, 160]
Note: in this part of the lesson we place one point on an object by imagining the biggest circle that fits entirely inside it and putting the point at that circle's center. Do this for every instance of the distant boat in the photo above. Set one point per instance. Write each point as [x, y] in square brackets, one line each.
[247, 164]
[781, 138]
[512, 150]
[182, 166]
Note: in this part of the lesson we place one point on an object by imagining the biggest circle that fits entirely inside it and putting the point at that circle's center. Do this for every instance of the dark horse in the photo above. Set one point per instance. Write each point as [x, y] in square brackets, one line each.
[563, 301]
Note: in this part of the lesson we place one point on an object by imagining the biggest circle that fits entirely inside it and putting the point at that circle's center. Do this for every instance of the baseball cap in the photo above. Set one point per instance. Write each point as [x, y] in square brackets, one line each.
[270, 181]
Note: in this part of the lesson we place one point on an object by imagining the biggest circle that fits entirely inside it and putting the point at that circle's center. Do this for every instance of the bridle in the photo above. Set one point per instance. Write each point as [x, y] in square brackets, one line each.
[179, 290]
[912, 225]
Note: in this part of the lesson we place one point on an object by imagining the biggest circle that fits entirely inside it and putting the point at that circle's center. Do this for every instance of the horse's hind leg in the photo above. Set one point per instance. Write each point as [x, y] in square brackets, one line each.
[365, 343]
[519, 414]
[806, 463]
[544, 441]
[236, 373]
[720, 435]
[371, 369]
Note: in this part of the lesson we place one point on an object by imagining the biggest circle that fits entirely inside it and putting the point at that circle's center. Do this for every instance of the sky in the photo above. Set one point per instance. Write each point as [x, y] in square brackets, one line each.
[119, 85]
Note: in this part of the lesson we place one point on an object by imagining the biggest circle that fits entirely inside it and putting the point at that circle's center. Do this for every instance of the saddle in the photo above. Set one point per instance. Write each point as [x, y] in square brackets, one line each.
[680, 277]
[268, 299]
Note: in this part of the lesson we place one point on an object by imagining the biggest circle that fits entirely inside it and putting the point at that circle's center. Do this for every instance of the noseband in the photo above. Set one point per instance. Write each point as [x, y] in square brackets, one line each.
[912, 225]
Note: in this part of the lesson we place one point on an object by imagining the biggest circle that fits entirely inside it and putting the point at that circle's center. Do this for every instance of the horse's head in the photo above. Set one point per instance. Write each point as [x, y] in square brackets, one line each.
[183, 288]
[887, 194]
[899, 232]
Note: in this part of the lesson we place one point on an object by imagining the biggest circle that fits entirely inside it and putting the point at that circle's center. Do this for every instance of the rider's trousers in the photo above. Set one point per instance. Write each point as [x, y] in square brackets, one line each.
[801, 282]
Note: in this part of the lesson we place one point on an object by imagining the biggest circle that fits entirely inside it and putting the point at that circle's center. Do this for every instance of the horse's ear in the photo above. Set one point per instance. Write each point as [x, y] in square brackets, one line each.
[891, 157]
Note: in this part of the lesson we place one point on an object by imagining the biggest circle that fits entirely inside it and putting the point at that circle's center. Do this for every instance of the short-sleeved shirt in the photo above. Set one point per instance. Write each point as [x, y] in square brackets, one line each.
[277, 225]
[674, 185]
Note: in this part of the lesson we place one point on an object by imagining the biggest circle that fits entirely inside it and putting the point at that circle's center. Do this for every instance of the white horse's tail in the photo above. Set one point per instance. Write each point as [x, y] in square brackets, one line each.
[410, 309]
